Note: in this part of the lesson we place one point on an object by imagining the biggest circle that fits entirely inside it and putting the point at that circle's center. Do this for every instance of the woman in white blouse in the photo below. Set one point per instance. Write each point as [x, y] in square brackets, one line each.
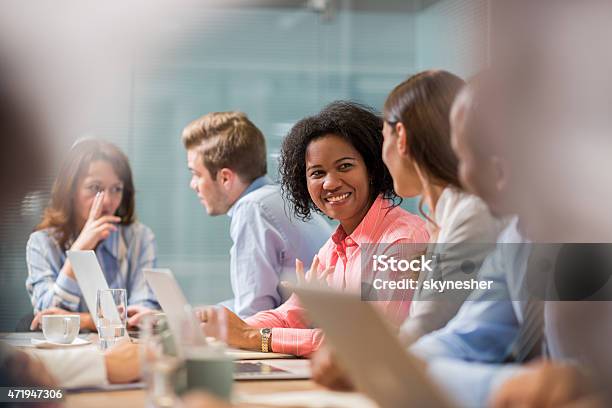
[417, 150]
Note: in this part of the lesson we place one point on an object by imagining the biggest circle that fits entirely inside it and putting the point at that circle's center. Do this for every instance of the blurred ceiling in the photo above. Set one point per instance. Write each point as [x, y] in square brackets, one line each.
[323, 5]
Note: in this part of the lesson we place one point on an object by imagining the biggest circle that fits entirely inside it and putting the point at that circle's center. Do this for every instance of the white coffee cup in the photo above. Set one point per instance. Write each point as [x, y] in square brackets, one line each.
[61, 328]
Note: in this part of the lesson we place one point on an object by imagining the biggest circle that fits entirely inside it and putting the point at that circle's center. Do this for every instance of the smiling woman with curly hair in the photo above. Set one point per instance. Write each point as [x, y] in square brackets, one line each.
[354, 123]
[332, 163]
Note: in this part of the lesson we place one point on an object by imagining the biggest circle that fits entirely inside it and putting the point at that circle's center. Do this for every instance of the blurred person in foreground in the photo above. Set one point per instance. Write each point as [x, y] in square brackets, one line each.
[561, 155]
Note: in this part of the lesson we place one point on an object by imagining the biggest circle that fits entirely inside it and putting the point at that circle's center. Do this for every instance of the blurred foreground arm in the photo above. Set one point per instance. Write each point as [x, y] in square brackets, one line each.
[548, 385]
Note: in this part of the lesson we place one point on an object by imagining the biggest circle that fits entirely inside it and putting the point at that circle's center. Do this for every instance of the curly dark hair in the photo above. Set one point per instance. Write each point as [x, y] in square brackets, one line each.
[358, 124]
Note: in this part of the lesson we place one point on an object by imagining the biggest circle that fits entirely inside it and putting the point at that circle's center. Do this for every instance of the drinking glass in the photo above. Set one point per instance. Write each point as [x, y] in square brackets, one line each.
[111, 316]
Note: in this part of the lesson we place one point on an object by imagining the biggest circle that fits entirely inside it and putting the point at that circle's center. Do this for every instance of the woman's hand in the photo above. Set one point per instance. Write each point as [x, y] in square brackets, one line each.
[86, 320]
[96, 228]
[545, 384]
[122, 362]
[225, 325]
[327, 372]
[313, 277]
[136, 313]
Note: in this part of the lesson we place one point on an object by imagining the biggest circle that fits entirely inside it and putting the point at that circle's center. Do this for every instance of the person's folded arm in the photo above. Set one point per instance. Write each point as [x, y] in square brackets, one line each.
[288, 315]
[291, 333]
[47, 285]
[299, 342]
[72, 368]
[89, 367]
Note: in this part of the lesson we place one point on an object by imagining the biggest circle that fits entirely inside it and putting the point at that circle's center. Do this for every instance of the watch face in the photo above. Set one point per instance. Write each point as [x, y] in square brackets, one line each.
[266, 331]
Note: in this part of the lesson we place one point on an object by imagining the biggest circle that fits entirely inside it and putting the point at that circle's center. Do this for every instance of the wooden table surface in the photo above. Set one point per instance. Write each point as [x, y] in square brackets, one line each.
[136, 398]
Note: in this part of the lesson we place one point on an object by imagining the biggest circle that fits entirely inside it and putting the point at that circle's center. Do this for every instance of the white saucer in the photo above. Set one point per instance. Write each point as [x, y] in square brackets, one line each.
[49, 344]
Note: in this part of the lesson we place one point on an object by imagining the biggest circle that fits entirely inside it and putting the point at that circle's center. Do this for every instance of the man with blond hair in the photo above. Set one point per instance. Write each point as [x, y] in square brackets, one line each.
[226, 154]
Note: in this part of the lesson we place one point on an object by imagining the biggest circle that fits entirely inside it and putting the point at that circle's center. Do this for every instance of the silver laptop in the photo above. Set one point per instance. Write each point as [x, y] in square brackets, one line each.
[90, 278]
[174, 303]
[370, 351]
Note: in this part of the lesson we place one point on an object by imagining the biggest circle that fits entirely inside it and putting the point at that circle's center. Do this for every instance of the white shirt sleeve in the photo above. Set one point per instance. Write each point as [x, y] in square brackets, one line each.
[467, 232]
[74, 368]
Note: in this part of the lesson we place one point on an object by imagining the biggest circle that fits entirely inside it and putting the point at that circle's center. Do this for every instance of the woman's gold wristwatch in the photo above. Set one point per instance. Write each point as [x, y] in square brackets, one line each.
[266, 337]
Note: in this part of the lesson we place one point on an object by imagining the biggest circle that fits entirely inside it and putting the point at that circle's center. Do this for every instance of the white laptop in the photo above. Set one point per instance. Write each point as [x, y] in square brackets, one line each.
[90, 278]
[174, 303]
[368, 349]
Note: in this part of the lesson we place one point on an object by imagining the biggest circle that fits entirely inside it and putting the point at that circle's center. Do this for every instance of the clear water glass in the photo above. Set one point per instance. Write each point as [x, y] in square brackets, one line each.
[111, 316]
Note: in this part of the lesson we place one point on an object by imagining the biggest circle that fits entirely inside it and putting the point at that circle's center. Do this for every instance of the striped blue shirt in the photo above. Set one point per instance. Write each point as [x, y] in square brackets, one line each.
[122, 256]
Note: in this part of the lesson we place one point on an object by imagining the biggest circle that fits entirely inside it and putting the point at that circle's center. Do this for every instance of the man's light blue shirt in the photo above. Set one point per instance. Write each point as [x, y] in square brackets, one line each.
[267, 238]
[465, 355]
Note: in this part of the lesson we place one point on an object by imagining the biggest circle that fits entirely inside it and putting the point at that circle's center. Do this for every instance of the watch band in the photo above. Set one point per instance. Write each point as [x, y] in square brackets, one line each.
[266, 336]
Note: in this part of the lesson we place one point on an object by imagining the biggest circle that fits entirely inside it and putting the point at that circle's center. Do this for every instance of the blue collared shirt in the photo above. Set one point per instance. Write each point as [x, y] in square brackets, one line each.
[465, 355]
[122, 256]
[267, 238]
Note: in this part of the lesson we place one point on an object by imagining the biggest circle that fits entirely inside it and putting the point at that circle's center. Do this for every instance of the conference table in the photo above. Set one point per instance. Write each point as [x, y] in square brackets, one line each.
[244, 390]
[136, 398]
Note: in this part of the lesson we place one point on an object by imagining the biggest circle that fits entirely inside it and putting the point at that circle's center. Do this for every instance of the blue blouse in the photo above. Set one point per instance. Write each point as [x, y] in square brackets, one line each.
[122, 256]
